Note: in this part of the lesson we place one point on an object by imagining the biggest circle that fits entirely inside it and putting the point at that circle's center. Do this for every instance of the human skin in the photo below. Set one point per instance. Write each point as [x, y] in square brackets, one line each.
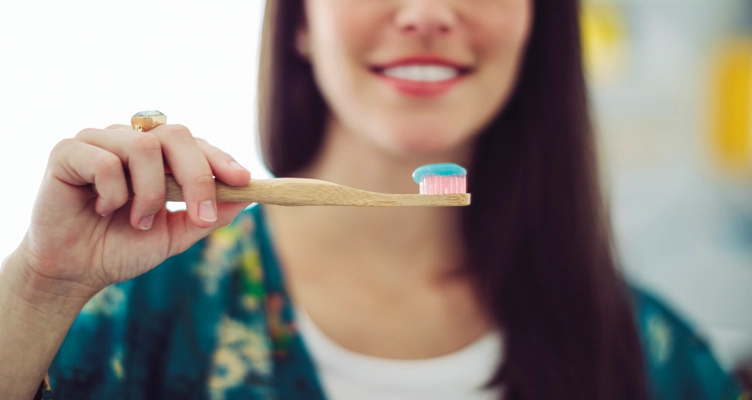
[345, 40]
[375, 280]
[376, 135]
[79, 242]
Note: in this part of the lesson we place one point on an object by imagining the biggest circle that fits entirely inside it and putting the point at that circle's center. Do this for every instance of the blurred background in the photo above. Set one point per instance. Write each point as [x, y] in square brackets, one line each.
[671, 94]
[671, 85]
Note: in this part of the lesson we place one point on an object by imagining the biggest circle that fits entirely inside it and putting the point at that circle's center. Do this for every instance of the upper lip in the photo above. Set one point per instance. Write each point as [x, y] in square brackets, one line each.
[422, 60]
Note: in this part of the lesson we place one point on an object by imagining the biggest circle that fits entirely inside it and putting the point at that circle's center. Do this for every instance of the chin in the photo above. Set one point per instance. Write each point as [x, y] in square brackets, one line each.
[425, 142]
[433, 132]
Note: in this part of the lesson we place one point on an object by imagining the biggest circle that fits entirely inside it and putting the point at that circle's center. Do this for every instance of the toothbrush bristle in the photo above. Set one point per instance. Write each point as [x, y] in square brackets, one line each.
[444, 178]
[435, 184]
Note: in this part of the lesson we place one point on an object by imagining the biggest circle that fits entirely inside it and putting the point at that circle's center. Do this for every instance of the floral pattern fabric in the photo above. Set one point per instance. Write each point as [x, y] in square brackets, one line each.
[215, 322]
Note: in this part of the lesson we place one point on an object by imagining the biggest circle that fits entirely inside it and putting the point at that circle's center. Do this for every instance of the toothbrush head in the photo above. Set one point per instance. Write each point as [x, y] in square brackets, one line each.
[442, 178]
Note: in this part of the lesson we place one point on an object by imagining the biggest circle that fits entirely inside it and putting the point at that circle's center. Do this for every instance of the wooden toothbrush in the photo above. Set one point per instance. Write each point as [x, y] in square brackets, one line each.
[440, 185]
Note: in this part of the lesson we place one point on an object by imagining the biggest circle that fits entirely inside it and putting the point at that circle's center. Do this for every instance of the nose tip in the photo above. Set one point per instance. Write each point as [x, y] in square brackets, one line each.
[425, 17]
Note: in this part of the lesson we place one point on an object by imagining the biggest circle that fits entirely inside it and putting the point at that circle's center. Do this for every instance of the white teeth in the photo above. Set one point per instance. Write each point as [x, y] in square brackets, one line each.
[422, 73]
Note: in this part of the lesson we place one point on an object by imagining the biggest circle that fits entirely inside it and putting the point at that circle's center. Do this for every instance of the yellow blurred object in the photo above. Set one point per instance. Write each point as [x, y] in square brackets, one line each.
[731, 129]
[604, 41]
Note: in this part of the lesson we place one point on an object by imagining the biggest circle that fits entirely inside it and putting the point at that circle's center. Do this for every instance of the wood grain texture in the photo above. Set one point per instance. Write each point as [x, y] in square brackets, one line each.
[313, 192]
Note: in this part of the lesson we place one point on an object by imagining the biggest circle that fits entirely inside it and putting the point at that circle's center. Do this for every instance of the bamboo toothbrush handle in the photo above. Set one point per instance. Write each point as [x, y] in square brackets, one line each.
[313, 192]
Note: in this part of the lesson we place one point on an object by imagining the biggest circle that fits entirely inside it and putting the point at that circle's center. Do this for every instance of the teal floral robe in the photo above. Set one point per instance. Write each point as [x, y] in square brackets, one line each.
[215, 322]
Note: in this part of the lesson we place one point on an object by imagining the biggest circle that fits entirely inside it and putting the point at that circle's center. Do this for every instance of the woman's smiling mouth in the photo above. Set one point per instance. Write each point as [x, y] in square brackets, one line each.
[422, 76]
[422, 73]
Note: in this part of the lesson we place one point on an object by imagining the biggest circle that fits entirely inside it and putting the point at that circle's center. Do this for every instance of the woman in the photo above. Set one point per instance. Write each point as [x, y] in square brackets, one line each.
[514, 297]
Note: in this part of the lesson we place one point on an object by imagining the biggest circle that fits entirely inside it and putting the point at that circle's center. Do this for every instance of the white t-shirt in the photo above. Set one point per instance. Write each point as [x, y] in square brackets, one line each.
[346, 375]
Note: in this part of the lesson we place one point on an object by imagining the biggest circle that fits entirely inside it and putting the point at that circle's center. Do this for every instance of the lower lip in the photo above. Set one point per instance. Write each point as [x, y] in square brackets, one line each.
[421, 89]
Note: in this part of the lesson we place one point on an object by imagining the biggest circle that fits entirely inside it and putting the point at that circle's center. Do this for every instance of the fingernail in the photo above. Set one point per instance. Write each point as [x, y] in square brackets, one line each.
[207, 211]
[146, 222]
[235, 165]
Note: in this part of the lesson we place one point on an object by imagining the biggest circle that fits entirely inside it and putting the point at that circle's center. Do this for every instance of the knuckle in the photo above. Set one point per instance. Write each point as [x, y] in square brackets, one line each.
[87, 132]
[177, 132]
[118, 127]
[57, 153]
[145, 142]
[108, 164]
[63, 145]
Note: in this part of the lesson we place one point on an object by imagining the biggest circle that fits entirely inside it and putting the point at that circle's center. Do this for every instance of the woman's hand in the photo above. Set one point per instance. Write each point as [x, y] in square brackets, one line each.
[80, 241]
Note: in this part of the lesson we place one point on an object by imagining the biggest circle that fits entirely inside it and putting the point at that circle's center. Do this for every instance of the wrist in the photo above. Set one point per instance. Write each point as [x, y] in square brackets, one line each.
[45, 295]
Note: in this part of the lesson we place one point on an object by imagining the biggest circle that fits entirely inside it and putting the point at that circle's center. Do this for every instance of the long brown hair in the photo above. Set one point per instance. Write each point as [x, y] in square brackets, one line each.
[537, 233]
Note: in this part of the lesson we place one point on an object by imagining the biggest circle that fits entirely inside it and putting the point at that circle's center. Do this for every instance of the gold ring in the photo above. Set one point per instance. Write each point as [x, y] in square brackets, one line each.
[147, 120]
